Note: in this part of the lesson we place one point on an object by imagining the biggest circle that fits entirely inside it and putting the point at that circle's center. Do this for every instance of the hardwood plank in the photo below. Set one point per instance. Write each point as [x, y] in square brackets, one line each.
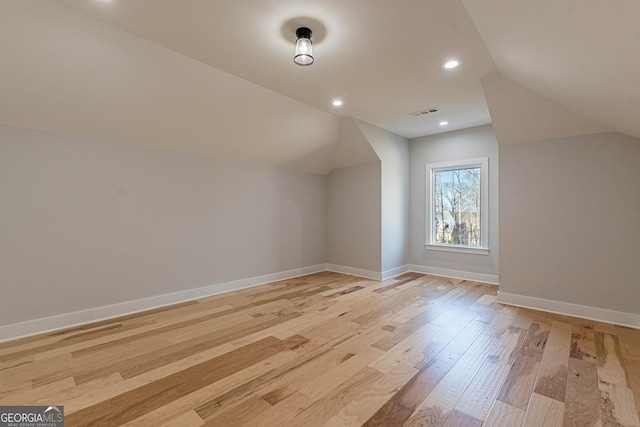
[282, 412]
[327, 332]
[479, 396]
[454, 350]
[617, 406]
[296, 294]
[582, 398]
[544, 412]
[439, 345]
[18, 361]
[411, 311]
[606, 328]
[66, 341]
[254, 385]
[10, 391]
[188, 419]
[216, 390]
[323, 384]
[519, 317]
[31, 371]
[504, 415]
[343, 286]
[237, 414]
[330, 404]
[87, 369]
[295, 326]
[633, 371]
[415, 350]
[366, 403]
[400, 280]
[397, 409]
[113, 381]
[137, 402]
[336, 363]
[583, 344]
[165, 326]
[261, 382]
[265, 382]
[517, 387]
[441, 294]
[611, 367]
[484, 301]
[460, 419]
[552, 376]
[629, 342]
[392, 305]
[334, 337]
[440, 403]
[150, 361]
[42, 393]
[501, 322]
[35, 341]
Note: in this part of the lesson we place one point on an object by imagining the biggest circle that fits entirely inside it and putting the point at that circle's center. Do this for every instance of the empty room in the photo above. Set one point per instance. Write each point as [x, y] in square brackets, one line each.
[319, 212]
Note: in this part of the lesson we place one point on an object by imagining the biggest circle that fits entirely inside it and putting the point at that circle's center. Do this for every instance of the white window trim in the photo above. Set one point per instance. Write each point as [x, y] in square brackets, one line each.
[430, 243]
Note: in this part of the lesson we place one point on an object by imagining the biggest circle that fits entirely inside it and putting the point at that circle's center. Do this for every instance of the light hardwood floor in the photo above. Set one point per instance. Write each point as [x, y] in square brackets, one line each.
[330, 349]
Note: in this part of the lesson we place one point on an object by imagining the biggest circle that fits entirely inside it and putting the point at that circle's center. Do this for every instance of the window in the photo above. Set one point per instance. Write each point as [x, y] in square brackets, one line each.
[457, 212]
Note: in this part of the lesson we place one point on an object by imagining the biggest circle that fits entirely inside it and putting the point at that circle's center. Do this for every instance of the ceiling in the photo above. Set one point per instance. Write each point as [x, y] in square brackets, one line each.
[583, 55]
[382, 58]
[216, 78]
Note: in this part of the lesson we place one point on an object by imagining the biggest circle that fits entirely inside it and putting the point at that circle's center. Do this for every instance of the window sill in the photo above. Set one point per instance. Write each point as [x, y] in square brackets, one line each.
[458, 249]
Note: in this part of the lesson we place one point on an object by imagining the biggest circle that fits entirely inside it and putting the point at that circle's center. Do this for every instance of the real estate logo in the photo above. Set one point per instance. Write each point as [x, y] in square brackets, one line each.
[31, 416]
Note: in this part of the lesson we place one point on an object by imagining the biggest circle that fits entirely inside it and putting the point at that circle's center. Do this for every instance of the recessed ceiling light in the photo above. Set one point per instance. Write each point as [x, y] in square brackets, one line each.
[336, 103]
[451, 64]
[444, 123]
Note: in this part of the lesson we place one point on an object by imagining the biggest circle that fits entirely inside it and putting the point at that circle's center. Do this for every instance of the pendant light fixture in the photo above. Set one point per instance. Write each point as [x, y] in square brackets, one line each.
[304, 54]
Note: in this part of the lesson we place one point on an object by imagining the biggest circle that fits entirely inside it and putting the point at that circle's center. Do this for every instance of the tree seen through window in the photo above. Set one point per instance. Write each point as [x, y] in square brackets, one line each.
[456, 195]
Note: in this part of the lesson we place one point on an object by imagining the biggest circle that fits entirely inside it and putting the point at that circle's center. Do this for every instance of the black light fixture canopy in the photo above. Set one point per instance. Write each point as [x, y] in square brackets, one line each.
[303, 33]
[304, 54]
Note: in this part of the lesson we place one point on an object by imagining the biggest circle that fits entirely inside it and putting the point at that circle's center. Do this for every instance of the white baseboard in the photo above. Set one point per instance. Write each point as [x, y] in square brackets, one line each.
[388, 274]
[393, 272]
[62, 321]
[367, 274]
[455, 274]
[585, 312]
[43, 325]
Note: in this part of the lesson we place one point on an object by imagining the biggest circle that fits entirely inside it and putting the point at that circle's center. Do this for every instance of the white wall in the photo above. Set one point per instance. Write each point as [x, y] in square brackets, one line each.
[458, 145]
[570, 220]
[353, 217]
[85, 223]
[393, 151]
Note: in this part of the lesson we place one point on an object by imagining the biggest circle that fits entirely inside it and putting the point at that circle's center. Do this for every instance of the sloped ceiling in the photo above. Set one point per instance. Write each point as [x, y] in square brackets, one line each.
[583, 55]
[353, 148]
[67, 73]
[382, 58]
[521, 115]
[216, 78]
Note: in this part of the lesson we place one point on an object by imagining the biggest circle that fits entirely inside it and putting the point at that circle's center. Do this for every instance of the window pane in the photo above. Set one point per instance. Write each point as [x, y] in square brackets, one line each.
[456, 196]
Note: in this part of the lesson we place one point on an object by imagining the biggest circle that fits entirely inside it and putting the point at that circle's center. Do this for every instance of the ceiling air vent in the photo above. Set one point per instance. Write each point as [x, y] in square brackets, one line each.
[424, 112]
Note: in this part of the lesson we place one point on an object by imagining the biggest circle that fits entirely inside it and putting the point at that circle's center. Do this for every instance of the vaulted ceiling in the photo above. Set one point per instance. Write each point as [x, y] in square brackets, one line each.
[216, 78]
[583, 55]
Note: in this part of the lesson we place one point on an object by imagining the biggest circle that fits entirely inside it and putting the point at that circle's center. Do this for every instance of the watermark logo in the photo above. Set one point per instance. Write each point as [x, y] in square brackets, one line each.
[31, 416]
